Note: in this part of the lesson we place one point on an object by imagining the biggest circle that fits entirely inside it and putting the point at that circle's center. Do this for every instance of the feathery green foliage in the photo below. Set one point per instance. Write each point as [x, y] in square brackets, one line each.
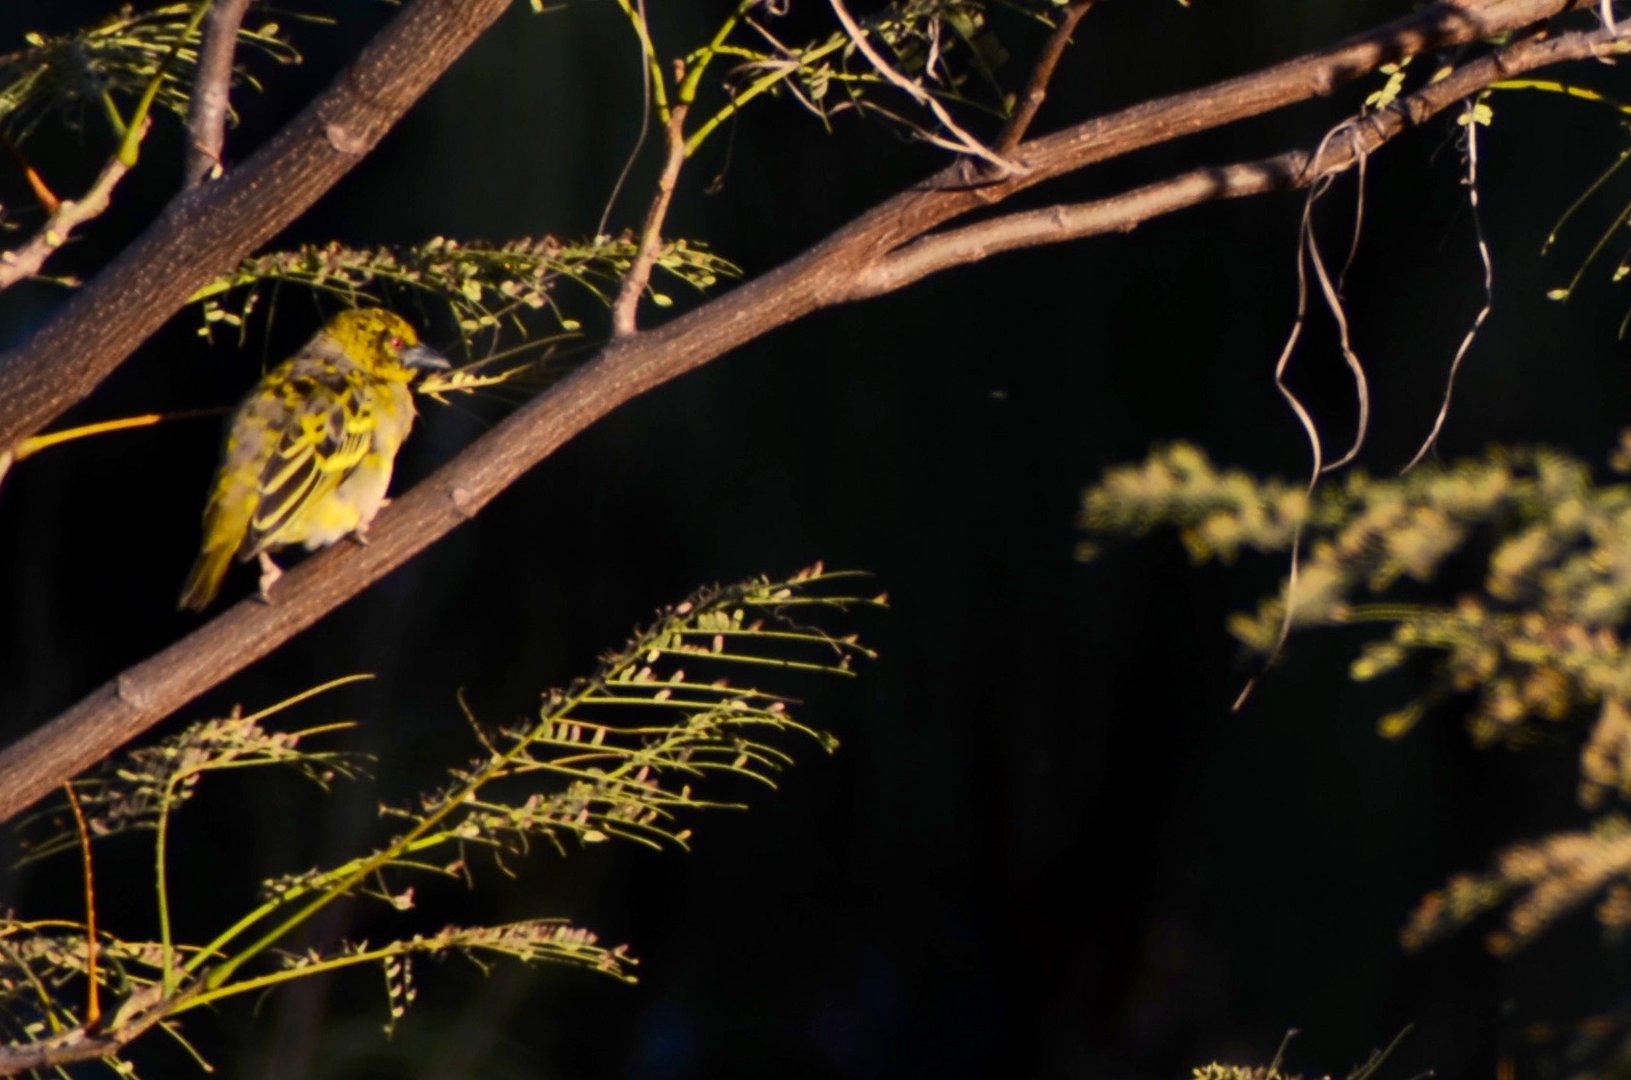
[152, 782]
[1542, 880]
[616, 755]
[1540, 640]
[481, 284]
[117, 58]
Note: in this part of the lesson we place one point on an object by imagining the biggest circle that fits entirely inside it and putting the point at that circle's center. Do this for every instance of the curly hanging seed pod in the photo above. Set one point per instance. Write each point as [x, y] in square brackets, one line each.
[308, 456]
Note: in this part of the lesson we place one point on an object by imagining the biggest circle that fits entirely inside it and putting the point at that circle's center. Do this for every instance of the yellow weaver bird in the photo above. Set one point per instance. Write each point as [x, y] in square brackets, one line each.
[308, 456]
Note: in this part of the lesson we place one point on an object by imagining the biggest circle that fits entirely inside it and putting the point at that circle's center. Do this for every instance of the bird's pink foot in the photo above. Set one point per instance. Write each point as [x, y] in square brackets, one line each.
[270, 572]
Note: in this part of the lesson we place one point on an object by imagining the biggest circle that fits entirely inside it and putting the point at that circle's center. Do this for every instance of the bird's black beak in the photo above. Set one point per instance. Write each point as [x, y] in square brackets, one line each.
[424, 358]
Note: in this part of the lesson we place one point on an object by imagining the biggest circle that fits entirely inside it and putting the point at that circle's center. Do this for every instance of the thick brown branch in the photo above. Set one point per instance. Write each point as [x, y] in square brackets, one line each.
[825, 275]
[208, 230]
[1296, 169]
[1057, 224]
[211, 99]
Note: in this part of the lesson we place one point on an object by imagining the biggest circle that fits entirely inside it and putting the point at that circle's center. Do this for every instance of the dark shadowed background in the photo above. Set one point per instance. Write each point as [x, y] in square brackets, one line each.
[1046, 847]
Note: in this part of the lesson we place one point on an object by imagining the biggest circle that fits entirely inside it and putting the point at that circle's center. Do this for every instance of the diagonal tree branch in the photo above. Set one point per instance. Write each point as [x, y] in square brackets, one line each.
[206, 231]
[839, 269]
[1292, 170]
[211, 100]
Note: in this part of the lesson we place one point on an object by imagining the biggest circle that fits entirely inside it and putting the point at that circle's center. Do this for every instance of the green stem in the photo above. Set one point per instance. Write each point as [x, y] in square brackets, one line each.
[423, 834]
[758, 661]
[768, 635]
[1383, 613]
[130, 148]
[705, 56]
[161, 881]
[758, 86]
[659, 86]
[261, 982]
[120, 128]
[219, 975]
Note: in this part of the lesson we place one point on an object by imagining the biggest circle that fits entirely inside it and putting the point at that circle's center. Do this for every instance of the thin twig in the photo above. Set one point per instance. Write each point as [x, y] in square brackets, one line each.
[1308, 254]
[1333, 303]
[626, 306]
[635, 12]
[1361, 176]
[93, 981]
[70, 214]
[1470, 119]
[211, 100]
[1316, 447]
[1305, 248]
[964, 142]
[1036, 90]
[647, 79]
[42, 191]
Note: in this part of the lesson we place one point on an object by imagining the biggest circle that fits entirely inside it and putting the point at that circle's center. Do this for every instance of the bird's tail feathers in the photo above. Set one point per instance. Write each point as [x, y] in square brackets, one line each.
[204, 581]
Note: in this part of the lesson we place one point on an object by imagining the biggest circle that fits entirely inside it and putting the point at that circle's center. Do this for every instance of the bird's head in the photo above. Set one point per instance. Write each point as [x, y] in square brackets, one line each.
[384, 342]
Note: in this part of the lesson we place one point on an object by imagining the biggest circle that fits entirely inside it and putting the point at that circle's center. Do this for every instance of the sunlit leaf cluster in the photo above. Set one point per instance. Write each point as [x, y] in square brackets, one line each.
[480, 284]
[1538, 639]
[680, 704]
[1539, 881]
[1216, 1071]
[1272, 1071]
[620, 754]
[90, 69]
[1216, 513]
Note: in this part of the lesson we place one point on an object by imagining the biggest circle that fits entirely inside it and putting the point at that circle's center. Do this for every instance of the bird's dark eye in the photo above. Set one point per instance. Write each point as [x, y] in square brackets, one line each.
[396, 343]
